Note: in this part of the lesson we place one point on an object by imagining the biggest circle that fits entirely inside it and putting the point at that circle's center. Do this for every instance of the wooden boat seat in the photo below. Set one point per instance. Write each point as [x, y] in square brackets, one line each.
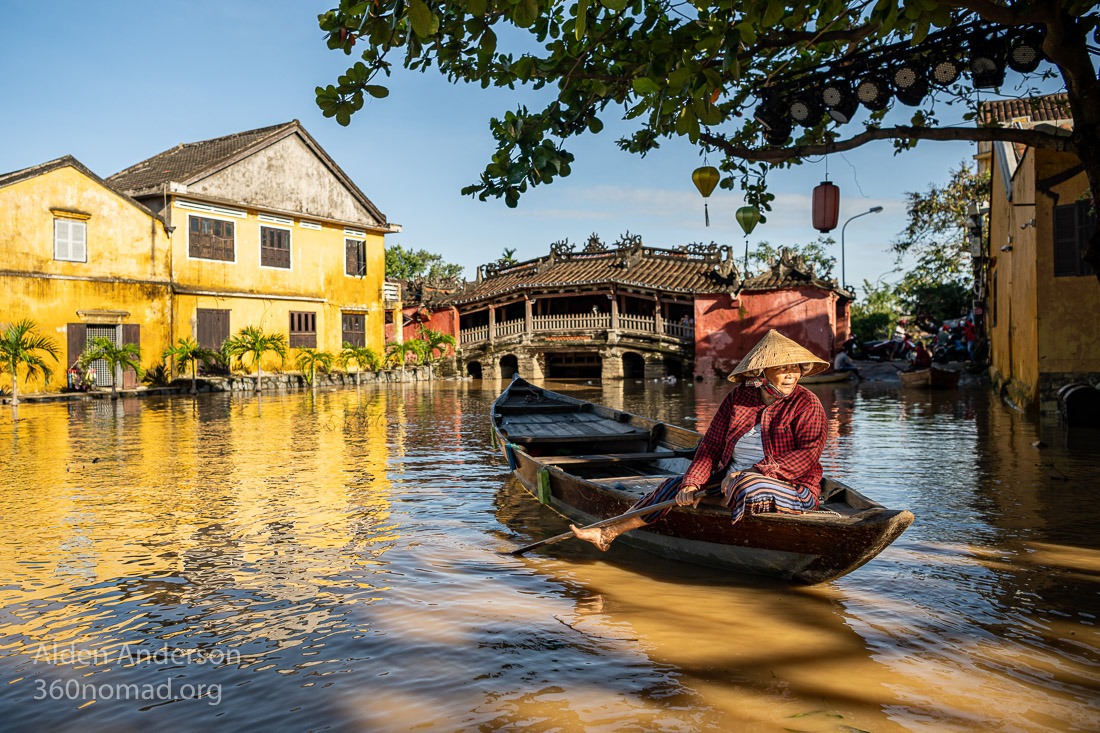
[600, 459]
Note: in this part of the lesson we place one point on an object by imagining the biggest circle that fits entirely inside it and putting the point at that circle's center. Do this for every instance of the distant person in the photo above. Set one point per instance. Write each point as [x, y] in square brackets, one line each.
[970, 337]
[787, 480]
[843, 363]
[922, 357]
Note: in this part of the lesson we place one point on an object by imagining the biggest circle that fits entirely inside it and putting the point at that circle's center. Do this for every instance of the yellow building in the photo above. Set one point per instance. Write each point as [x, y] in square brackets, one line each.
[82, 260]
[1041, 297]
[266, 230]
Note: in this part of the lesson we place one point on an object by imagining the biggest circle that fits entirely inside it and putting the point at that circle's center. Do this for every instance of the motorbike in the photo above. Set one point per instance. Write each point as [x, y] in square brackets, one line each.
[888, 349]
[954, 350]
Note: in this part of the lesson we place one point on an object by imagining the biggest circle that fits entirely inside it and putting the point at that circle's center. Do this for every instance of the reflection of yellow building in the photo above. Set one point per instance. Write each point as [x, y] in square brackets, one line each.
[285, 502]
[82, 260]
[267, 231]
[260, 228]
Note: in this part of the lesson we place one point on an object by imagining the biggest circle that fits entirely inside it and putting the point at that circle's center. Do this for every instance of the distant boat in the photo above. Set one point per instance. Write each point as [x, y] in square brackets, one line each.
[935, 377]
[826, 378]
[589, 462]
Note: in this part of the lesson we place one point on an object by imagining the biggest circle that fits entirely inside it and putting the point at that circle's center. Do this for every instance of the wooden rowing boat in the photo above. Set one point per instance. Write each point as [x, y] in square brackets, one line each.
[589, 462]
[935, 377]
[826, 378]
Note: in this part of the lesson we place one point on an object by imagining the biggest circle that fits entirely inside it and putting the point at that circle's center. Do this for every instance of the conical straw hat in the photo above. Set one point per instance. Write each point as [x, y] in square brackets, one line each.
[774, 350]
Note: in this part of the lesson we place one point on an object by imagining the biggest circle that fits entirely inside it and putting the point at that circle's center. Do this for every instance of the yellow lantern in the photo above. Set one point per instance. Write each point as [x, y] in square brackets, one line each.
[705, 179]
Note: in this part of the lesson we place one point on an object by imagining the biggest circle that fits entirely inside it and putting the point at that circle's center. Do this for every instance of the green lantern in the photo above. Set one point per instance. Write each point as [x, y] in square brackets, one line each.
[748, 217]
[705, 179]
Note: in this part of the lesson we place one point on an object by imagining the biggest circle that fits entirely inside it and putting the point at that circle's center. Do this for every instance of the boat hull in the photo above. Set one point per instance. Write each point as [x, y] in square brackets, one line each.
[934, 378]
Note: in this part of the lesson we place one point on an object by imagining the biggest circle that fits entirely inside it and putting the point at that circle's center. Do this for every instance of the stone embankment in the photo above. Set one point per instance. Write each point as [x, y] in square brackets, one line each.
[278, 382]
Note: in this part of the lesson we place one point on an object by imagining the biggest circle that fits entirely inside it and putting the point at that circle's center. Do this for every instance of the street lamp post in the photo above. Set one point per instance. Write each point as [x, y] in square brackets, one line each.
[872, 210]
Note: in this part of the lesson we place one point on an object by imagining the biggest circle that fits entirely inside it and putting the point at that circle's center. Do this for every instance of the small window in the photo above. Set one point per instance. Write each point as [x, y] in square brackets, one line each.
[356, 256]
[274, 247]
[1074, 225]
[70, 238]
[303, 330]
[353, 329]
[210, 239]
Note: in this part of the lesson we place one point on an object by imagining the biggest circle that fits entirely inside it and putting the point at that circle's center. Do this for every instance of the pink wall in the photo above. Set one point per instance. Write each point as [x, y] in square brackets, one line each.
[725, 330]
[445, 321]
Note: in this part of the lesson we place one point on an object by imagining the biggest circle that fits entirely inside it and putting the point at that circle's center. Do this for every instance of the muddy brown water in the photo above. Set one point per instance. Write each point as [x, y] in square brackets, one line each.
[332, 562]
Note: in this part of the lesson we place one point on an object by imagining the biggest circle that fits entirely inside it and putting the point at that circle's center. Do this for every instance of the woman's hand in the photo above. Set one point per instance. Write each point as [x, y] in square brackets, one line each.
[689, 496]
[729, 482]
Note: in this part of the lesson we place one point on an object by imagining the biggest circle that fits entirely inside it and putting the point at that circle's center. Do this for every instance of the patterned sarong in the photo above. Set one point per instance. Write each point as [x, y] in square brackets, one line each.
[752, 493]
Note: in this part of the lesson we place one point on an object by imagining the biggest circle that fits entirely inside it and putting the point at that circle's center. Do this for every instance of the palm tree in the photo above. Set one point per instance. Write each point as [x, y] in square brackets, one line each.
[397, 354]
[437, 341]
[310, 360]
[363, 356]
[188, 351]
[253, 343]
[19, 346]
[118, 358]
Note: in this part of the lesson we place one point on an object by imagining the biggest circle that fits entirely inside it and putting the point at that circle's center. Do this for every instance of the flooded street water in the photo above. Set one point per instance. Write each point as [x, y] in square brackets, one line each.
[333, 562]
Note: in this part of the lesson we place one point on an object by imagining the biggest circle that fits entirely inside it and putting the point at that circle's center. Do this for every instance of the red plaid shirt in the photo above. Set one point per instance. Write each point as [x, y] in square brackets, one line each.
[793, 435]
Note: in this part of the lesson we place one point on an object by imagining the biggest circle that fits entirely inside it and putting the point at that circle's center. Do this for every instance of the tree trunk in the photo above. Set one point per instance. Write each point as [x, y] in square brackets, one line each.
[259, 376]
[194, 377]
[15, 387]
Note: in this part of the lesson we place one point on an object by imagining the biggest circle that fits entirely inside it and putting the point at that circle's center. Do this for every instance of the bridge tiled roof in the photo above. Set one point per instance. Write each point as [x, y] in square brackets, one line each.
[689, 270]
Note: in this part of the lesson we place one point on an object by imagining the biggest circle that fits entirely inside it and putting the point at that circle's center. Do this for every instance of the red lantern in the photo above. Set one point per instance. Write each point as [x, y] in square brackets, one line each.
[826, 206]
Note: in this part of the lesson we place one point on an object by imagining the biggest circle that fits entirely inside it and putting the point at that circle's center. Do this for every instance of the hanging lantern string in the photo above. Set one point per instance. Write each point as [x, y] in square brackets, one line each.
[705, 179]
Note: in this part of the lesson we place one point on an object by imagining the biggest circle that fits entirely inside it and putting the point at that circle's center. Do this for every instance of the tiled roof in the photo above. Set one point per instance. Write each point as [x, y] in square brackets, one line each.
[1048, 108]
[687, 270]
[187, 163]
[68, 161]
[789, 271]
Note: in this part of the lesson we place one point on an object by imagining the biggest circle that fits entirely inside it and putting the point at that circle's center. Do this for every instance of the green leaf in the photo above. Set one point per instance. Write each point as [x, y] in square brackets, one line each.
[377, 91]
[476, 7]
[582, 19]
[526, 13]
[644, 85]
[421, 18]
[617, 5]
[773, 13]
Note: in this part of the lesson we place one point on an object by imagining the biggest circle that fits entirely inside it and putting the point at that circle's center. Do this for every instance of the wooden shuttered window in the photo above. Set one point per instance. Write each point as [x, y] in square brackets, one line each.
[211, 239]
[211, 327]
[76, 337]
[303, 330]
[70, 240]
[274, 247]
[353, 329]
[1073, 226]
[355, 251]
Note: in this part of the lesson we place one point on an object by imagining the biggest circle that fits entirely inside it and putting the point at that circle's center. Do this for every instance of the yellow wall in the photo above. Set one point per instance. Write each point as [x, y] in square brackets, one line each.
[1013, 326]
[316, 280]
[1037, 325]
[127, 267]
[1066, 304]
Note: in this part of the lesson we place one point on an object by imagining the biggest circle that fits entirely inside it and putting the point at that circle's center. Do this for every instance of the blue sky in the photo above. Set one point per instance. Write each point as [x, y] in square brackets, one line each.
[115, 82]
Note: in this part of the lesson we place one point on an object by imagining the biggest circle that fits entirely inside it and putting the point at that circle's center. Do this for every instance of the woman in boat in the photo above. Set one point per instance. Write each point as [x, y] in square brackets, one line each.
[767, 408]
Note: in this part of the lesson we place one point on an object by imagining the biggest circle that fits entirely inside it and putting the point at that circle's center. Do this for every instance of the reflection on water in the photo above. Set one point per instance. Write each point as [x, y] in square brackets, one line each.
[296, 562]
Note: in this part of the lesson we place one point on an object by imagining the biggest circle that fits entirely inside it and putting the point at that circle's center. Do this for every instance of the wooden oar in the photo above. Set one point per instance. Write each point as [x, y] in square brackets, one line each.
[602, 523]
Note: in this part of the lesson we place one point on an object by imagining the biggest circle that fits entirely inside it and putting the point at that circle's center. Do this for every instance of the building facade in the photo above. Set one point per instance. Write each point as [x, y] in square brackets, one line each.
[260, 228]
[1037, 290]
[82, 260]
[266, 230]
